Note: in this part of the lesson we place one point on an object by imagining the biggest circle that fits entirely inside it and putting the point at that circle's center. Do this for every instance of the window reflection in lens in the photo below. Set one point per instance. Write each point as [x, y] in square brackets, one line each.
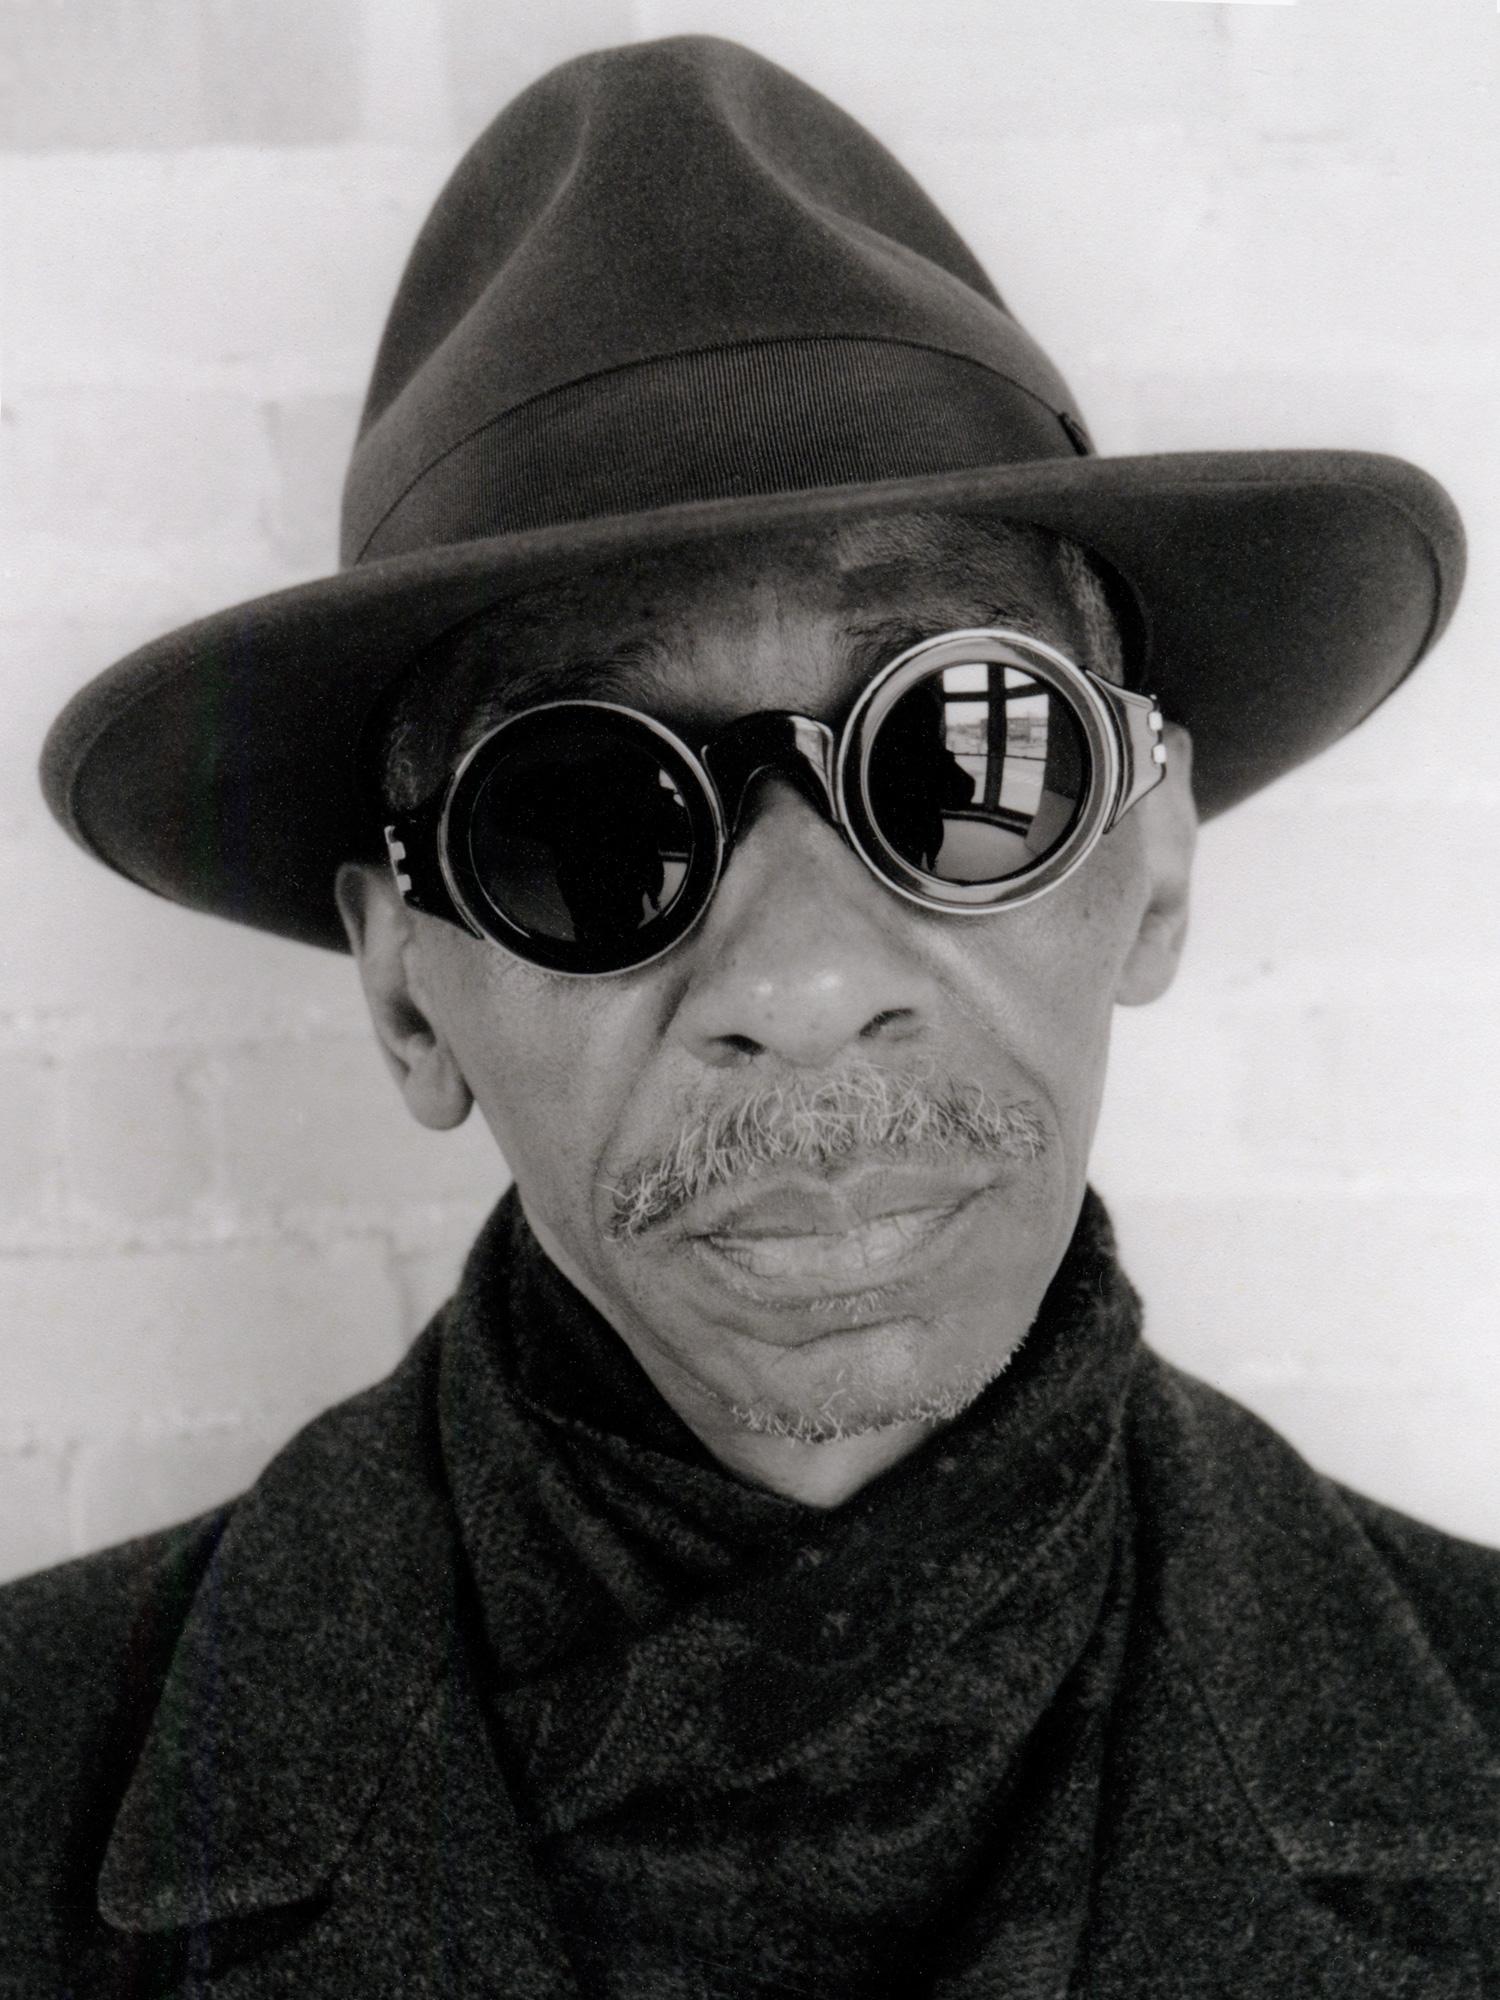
[585, 842]
[976, 773]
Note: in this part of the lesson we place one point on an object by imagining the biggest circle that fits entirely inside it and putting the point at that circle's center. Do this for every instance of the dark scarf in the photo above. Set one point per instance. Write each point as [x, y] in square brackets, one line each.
[766, 1749]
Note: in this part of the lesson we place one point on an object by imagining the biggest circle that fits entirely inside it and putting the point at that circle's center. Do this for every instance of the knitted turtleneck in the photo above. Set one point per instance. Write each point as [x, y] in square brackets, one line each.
[763, 1748]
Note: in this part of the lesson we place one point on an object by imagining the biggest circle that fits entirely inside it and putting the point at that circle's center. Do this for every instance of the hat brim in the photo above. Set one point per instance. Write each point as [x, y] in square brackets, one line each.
[1284, 595]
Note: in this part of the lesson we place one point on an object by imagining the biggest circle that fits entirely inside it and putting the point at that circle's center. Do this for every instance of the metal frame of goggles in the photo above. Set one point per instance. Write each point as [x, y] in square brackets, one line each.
[431, 857]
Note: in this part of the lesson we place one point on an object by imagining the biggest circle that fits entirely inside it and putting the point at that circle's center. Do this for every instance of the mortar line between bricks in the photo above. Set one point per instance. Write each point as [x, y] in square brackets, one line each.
[312, 1229]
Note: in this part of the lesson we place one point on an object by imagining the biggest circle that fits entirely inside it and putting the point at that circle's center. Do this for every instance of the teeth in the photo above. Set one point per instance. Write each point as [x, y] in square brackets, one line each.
[851, 1254]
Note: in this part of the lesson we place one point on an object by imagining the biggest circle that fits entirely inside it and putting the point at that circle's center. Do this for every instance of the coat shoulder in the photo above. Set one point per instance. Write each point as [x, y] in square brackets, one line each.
[87, 1650]
[68, 1631]
[1453, 1586]
[51, 1603]
[84, 1653]
[1450, 1586]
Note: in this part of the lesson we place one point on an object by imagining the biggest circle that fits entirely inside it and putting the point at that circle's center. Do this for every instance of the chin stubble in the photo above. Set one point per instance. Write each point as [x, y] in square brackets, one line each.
[842, 1414]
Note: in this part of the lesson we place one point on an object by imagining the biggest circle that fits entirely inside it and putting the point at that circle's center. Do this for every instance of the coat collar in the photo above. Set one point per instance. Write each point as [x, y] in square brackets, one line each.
[1347, 1737]
[319, 1634]
[328, 1634]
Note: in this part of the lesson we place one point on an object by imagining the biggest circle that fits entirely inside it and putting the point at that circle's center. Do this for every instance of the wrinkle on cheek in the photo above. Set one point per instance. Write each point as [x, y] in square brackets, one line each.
[501, 1023]
[1110, 896]
[554, 1065]
[1041, 981]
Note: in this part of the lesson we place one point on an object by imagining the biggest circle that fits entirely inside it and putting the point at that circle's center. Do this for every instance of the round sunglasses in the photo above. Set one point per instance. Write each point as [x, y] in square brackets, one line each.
[975, 771]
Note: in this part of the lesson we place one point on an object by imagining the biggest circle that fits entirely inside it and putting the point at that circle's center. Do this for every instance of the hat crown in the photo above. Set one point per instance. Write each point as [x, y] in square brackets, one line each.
[662, 199]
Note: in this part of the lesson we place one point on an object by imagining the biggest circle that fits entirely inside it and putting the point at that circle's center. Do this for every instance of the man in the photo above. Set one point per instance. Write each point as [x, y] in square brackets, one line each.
[732, 755]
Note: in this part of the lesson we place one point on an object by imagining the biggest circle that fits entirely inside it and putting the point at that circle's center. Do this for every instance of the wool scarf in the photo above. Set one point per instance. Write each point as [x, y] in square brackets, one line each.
[763, 1748]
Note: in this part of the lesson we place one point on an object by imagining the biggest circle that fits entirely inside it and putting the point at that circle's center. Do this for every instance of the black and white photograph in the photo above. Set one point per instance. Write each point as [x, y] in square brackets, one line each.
[750, 1000]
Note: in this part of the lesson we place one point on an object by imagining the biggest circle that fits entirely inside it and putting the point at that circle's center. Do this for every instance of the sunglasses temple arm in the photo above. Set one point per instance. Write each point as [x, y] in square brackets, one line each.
[1143, 761]
[411, 845]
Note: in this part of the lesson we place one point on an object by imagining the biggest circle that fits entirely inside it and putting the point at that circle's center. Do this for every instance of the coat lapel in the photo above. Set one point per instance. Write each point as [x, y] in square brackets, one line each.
[1298, 1801]
[319, 1772]
[435, 1897]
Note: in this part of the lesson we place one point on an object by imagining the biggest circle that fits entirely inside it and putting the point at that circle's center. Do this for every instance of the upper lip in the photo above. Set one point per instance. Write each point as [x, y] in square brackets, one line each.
[806, 1204]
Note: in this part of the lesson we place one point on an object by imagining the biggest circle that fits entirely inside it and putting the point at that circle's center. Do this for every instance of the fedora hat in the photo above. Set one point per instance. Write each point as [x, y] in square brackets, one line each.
[672, 294]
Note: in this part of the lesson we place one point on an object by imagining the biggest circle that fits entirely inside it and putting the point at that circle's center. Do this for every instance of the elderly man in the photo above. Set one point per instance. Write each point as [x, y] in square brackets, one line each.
[734, 754]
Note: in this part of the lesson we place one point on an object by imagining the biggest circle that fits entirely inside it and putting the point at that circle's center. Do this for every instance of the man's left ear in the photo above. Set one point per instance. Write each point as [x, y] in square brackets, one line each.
[1169, 831]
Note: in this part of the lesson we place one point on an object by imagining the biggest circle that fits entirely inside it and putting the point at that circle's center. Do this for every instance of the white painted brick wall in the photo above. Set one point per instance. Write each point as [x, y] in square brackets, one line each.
[1232, 225]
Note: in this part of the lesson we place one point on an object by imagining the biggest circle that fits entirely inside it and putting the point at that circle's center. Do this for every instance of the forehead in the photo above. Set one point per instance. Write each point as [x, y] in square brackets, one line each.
[801, 622]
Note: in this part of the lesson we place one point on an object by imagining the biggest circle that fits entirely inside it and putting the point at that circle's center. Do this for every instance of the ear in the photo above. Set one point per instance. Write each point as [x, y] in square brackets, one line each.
[1169, 832]
[382, 936]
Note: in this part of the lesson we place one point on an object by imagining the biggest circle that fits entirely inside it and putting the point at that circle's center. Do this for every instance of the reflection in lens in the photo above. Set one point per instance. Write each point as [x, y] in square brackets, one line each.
[580, 834]
[976, 773]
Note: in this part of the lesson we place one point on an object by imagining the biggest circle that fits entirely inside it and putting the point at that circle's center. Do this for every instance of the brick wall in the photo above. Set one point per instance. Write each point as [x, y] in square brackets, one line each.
[1232, 224]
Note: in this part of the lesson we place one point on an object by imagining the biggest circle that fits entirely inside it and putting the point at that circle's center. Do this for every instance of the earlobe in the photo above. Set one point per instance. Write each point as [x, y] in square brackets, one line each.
[382, 938]
[1169, 832]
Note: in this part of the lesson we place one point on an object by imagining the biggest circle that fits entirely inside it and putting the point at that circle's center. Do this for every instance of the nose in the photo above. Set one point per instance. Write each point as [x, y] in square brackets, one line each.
[803, 955]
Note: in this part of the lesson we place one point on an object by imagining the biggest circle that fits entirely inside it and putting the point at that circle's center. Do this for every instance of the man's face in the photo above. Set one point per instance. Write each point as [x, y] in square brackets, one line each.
[781, 1289]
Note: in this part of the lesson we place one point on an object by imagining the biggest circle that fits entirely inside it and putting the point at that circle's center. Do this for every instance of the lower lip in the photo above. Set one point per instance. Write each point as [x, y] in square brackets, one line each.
[873, 1258]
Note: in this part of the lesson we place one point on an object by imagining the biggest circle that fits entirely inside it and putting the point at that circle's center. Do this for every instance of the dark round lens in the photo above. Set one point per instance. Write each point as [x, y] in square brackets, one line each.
[976, 773]
[578, 833]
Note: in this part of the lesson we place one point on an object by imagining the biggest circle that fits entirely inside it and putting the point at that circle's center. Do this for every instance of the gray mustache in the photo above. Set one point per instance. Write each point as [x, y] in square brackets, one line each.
[863, 1111]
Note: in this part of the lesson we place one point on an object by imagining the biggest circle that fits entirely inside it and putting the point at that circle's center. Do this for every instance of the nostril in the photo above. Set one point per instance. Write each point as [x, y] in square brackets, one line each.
[740, 1045]
[889, 1017]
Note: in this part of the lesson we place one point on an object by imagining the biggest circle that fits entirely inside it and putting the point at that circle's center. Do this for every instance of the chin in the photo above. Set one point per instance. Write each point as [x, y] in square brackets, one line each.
[862, 1397]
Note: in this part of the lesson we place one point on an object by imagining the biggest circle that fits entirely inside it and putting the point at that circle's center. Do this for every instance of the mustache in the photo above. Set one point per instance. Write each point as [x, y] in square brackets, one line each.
[864, 1111]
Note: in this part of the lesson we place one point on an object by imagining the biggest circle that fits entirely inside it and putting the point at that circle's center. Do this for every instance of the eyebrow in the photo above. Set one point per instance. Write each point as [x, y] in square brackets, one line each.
[874, 642]
[626, 673]
[640, 669]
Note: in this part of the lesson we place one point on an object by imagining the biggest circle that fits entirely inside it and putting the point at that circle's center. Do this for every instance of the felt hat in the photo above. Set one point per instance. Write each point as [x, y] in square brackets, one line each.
[671, 294]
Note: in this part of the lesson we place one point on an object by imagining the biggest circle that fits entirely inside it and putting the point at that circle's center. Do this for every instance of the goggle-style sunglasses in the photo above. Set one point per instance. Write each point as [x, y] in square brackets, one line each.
[977, 770]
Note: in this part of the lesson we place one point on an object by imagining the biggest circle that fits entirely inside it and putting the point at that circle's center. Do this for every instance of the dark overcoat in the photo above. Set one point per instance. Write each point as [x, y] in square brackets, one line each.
[249, 1756]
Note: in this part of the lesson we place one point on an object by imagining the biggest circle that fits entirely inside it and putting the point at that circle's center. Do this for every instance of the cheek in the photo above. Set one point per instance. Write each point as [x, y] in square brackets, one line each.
[1052, 970]
[550, 1062]
[1088, 926]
